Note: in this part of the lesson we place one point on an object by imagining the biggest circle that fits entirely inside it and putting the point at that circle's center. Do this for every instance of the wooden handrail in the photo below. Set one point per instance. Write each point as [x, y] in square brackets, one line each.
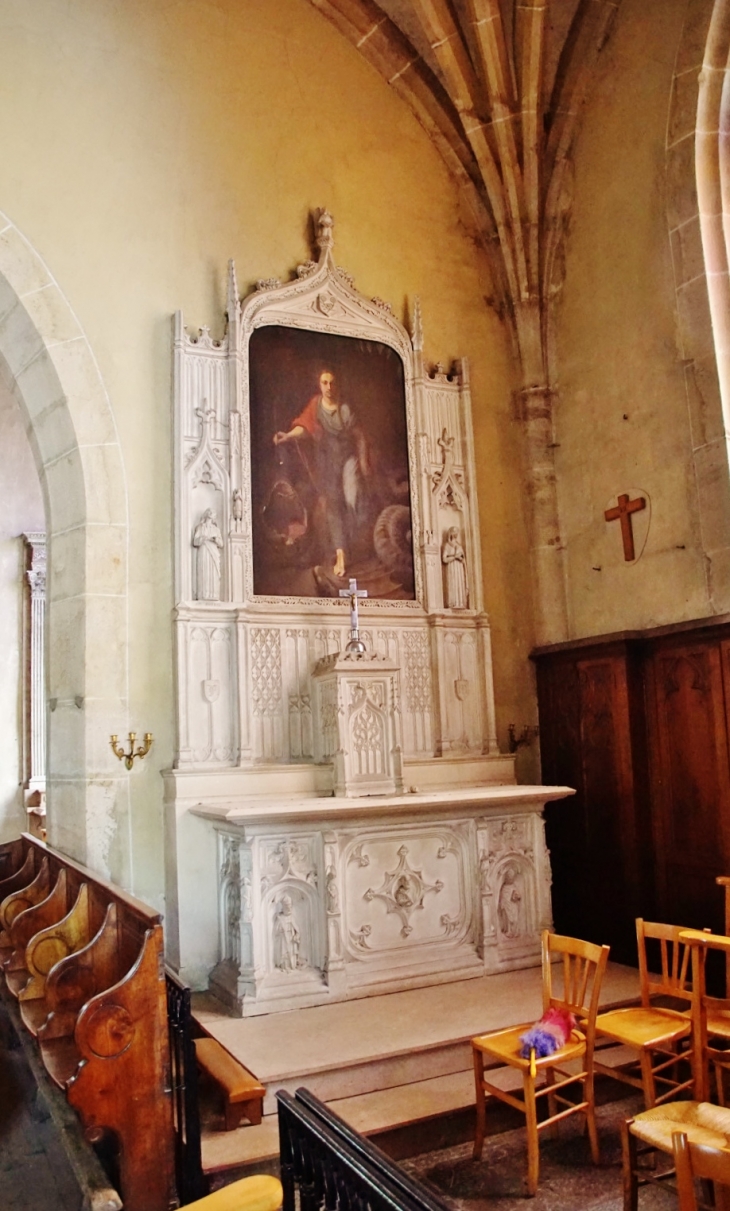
[370, 1152]
[321, 1158]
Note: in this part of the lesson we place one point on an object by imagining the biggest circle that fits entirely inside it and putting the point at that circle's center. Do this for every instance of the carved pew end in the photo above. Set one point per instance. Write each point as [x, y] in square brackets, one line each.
[243, 1093]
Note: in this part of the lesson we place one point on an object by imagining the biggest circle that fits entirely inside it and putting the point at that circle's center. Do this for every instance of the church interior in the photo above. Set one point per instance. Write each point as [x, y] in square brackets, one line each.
[364, 577]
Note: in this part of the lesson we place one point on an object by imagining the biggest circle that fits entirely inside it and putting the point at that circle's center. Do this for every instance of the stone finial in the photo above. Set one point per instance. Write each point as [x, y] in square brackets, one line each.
[325, 233]
[232, 300]
[417, 327]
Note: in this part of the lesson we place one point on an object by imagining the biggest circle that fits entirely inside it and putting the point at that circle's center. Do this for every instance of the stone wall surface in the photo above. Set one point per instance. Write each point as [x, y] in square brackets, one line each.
[639, 407]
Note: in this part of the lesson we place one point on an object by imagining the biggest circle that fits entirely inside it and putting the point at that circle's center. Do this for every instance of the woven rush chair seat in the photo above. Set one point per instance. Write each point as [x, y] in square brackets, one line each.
[702, 1122]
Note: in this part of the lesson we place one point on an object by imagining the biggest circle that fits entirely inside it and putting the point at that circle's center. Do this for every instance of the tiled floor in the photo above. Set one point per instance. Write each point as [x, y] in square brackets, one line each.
[34, 1172]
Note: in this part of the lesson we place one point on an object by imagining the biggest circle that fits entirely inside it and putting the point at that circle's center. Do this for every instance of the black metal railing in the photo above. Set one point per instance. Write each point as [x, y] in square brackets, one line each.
[190, 1180]
[335, 1168]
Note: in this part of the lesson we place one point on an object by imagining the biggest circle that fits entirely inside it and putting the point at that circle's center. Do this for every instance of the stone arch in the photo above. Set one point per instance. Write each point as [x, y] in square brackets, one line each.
[51, 370]
[699, 258]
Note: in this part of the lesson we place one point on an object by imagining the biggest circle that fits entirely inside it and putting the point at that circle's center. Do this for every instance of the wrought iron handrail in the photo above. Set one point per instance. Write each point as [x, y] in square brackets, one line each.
[337, 1169]
[191, 1182]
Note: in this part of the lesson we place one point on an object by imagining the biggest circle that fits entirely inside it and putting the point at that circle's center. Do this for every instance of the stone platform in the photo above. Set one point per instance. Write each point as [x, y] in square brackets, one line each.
[381, 1062]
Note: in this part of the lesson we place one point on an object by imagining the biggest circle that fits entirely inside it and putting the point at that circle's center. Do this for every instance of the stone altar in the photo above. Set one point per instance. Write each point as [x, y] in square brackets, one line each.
[308, 863]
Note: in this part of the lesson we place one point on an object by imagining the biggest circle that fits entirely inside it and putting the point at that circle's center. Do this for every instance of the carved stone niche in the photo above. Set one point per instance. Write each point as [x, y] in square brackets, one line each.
[358, 723]
[514, 870]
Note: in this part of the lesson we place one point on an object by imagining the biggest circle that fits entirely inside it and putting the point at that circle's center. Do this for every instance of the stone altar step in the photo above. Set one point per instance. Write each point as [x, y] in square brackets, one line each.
[381, 1062]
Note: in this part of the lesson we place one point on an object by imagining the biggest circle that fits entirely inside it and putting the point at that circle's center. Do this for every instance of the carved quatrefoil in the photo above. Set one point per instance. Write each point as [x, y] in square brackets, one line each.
[403, 890]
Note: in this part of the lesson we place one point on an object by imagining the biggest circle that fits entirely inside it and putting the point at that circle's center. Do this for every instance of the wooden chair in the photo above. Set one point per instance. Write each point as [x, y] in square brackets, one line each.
[582, 966]
[257, 1193]
[661, 1036]
[693, 1161]
[653, 1129]
[710, 1017]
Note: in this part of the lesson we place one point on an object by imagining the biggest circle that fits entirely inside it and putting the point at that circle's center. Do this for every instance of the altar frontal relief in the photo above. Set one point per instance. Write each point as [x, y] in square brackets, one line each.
[329, 465]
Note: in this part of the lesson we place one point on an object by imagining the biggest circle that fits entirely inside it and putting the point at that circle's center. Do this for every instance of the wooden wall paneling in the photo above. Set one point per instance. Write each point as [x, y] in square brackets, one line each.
[690, 779]
[612, 851]
[560, 742]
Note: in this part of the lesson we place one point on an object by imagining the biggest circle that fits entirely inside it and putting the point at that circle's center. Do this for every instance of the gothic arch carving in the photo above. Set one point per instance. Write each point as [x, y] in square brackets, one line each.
[51, 370]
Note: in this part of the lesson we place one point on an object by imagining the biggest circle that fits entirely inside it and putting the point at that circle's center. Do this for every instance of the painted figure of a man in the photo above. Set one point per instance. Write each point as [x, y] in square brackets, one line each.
[335, 451]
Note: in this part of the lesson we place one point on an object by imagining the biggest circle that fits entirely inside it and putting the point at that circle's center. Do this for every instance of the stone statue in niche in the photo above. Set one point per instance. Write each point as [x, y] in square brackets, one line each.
[446, 445]
[510, 906]
[246, 899]
[208, 543]
[286, 937]
[333, 899]
[237, 509]
[454, 560]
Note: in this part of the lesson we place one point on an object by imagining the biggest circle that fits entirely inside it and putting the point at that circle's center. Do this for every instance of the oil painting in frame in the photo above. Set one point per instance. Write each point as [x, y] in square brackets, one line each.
[330, 488]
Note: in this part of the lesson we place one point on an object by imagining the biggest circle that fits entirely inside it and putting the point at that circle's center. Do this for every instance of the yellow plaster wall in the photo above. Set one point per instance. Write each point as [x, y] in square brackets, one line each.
[622, 419]
[145, 142]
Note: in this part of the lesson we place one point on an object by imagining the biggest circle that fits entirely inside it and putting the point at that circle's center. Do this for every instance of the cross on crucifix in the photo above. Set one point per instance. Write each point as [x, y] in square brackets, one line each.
[622, 512]
[355, 644]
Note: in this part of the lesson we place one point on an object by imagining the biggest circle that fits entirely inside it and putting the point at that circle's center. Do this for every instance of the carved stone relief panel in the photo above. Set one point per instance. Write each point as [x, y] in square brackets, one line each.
[417, 693]
[514, 889]
[461, 725]
[297, 665]
[291, 926]
[202, 455]
[267, 705]
[368, 728]
[405, 891]
[207, 666]
[236, 909]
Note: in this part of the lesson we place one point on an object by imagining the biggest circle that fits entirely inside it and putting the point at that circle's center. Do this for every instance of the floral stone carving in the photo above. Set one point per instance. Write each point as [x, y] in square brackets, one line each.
[403, 890]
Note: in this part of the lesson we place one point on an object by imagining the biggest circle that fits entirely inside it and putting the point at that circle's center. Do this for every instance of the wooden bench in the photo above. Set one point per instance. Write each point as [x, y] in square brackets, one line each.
[86, 962]
[243, 1092]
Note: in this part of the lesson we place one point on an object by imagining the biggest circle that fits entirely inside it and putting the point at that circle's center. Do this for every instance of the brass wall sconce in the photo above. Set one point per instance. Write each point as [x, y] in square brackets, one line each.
[128, 758]
[528, 733]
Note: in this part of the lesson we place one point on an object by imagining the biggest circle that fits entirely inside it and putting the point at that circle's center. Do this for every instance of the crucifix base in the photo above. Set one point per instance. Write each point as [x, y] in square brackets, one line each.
[357, 723]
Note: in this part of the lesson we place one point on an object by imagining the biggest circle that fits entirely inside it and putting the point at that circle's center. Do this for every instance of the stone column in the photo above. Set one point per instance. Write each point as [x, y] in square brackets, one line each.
[551, 621]
[36, 684]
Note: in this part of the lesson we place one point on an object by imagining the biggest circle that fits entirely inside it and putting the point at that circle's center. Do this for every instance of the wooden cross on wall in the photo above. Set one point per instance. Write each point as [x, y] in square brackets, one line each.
[622, 512]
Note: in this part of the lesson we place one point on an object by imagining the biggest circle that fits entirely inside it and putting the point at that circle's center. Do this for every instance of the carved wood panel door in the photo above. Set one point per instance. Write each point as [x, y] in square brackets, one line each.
[688, 687]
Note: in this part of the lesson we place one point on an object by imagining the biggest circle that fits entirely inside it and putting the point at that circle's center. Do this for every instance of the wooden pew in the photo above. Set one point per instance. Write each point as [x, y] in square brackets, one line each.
[86, 962]
[21, 898]
[26, 925]
[23, 874]
[44, 950]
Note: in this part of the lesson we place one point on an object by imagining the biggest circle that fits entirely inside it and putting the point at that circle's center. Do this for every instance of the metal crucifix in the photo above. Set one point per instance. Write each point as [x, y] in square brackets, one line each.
[355, 643]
